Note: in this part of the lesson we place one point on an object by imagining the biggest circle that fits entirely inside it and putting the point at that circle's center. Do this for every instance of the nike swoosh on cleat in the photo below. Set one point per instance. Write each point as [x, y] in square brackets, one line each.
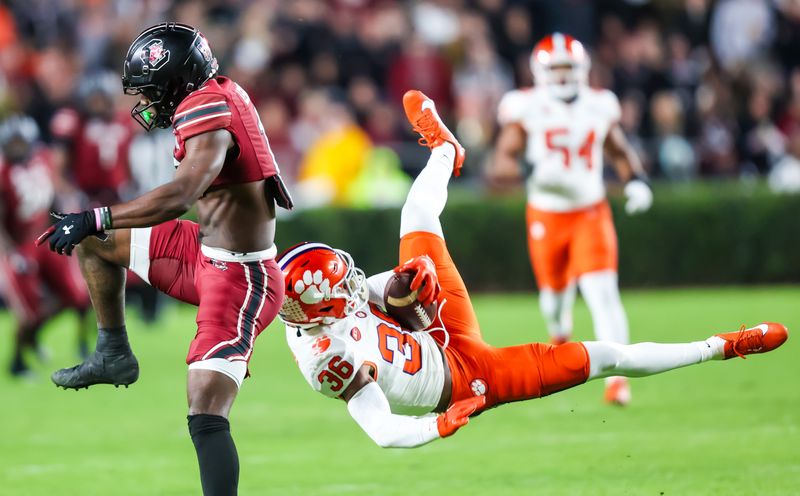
[764, 328]
[428, 104]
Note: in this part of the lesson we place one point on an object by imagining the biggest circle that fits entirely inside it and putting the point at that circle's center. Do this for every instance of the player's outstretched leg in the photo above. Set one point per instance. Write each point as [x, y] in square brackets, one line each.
[428, 195]
[112, 362]
[642, 359]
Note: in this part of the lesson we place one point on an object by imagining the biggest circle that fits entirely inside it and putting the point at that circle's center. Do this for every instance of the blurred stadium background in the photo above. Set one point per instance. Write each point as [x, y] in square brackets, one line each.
[710, 94]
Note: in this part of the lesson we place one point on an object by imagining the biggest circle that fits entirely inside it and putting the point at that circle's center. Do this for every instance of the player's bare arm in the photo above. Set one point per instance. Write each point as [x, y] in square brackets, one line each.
[629, 170]
[622, 155]
[505, 171]
[205, 156]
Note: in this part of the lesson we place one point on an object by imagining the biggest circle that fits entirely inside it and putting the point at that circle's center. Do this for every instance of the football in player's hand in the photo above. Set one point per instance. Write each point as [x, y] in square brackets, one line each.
[402, 304]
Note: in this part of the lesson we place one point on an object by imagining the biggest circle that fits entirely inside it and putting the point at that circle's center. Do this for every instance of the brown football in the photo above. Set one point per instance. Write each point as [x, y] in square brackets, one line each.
[402, 305]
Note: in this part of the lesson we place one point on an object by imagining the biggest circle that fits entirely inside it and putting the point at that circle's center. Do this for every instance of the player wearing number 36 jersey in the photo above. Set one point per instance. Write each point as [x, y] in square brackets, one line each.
[406, 388]
[564, 127]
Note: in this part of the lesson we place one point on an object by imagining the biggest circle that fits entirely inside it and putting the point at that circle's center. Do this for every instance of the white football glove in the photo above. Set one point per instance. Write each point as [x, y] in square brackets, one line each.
[639, 196]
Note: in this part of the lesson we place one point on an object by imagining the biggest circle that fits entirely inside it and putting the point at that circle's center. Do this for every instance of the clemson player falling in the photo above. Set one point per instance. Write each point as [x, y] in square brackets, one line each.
[406, 389]
[564, 127]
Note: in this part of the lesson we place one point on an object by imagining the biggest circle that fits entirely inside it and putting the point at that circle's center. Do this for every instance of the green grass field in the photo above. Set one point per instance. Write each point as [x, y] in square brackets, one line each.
[717, 428]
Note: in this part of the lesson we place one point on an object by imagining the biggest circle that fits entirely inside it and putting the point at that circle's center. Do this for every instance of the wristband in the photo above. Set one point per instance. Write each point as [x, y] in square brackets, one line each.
[102, 218]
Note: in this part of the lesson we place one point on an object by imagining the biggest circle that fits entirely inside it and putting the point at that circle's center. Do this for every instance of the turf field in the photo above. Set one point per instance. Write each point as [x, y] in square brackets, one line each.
[718, 428]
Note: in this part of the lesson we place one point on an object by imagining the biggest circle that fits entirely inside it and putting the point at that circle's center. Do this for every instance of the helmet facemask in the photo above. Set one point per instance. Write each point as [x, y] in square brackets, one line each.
[353, 287]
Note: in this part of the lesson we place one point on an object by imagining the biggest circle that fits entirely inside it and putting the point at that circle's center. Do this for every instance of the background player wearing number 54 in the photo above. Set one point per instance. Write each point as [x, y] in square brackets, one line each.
[565, 127]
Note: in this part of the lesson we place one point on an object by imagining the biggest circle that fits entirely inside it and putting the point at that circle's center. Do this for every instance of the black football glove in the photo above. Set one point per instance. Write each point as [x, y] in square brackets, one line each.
[70, 230]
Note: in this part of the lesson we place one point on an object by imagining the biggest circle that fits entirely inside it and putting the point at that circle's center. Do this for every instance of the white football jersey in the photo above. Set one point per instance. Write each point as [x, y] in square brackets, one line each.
[407, 366]
[565, 144]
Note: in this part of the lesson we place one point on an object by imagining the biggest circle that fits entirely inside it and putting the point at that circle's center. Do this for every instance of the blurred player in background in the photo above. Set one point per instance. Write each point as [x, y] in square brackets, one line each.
[347, 347]
[92, 141]
[224, 263]
[29, 276]
[92, 149]
[564, 127]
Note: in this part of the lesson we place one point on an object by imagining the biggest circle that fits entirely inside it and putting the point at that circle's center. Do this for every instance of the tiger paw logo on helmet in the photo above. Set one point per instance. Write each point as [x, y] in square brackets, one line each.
[313, 287]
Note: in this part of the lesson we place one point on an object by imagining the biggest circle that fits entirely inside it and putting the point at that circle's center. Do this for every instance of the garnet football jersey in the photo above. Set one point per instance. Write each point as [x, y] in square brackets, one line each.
[26, 194]
[98, 149]
[222, 104]
[407, 366]
[565, 144]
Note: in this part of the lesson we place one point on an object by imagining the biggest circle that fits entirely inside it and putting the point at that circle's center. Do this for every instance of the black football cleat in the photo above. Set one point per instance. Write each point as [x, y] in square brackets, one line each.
[119, 369]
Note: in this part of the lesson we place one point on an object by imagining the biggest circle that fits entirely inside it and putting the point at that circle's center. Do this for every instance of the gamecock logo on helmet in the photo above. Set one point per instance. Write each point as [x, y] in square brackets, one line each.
[154, 54]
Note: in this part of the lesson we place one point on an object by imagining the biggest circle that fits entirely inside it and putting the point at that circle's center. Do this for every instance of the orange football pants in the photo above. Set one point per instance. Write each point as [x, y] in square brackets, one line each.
[503, 374]
[565, 245]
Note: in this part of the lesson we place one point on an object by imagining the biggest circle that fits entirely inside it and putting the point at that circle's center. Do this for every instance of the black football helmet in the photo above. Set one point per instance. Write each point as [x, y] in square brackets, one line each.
[18, 136]
[164, 64]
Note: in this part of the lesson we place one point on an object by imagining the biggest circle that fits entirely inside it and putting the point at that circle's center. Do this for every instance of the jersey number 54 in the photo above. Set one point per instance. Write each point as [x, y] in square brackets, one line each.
[553, 139]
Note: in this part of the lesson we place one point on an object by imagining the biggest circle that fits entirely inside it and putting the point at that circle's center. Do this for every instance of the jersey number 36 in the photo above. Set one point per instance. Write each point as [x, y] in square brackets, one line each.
[338, 371]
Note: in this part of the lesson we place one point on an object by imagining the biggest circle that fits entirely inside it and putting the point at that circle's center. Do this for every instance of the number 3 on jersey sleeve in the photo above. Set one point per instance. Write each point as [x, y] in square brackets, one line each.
[391, 341]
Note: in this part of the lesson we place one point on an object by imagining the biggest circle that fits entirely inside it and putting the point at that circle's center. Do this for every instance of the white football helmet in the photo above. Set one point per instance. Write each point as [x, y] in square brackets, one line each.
[560, 63]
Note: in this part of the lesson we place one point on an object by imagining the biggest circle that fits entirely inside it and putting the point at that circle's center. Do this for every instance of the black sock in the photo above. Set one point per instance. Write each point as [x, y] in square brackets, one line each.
[216, 454]
[112, 341]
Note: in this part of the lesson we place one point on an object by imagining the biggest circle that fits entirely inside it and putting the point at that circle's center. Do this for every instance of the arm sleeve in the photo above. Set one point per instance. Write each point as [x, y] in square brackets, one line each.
[201, 113]
[371, 411]
[377, 287]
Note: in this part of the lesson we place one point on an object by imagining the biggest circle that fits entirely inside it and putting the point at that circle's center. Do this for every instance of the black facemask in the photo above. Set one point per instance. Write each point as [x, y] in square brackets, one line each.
[153, 114]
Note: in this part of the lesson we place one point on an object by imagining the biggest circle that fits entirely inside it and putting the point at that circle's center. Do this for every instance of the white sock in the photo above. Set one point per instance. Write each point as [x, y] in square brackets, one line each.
[717, 345]
[556, 308]
[641, 359]
[428, 195]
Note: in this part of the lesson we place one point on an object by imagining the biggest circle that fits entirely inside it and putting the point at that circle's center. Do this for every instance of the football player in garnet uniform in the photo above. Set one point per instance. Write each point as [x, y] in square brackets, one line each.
[27, 188]
[564, 127]
[92, 141]
[407, 388]
[224, 264]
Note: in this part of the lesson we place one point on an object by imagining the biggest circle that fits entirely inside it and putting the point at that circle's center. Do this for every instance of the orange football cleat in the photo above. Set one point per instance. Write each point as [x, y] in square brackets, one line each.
[759, 339]
[618, 391]
[421, 113]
